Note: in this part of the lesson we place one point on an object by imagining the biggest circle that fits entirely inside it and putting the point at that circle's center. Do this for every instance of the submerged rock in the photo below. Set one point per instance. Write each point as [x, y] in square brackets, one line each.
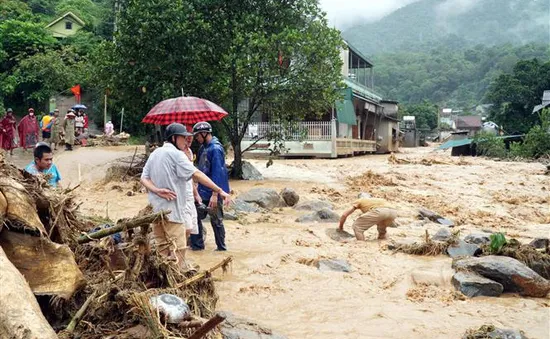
[540, 243]
[235, 327]
[490, 332]
[513, 275]
[463, 249]
[443, 234]
[336, 265]
[290, 196]
[474, 285]
[478, 238]
[313, 205]
[324, 215]
[242, 206]
[263, 197]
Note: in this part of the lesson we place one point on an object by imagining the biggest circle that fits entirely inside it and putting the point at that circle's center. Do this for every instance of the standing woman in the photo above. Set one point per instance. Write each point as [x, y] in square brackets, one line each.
[69, 130]
[191, 193]
[55, 129]
[28, 130]
[7, 131]
[79, 122]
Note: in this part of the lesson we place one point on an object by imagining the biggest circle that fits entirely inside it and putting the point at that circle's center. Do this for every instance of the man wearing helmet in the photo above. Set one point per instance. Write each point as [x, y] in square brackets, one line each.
[211, 161]
[43, 164]
[165, 176]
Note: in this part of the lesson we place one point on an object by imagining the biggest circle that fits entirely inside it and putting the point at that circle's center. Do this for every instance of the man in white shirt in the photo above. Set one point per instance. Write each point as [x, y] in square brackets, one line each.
[165, 176]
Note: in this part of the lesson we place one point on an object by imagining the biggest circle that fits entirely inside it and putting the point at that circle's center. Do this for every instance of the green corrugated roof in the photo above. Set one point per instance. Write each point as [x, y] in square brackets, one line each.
[345, 112]
[455, 143]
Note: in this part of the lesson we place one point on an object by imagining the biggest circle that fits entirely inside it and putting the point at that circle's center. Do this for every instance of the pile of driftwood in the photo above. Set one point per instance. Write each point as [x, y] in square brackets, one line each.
[59, 279]
[113, 140]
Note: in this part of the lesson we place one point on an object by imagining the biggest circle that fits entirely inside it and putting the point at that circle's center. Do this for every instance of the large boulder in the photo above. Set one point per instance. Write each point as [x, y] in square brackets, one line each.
[290, 196]
[463, 249]
[241, 206]
[336, 265]
[313, 205]
[263, 197]
[235, 327]
[324, 215]
[513, 275]
[479, 238]
[473, 285]
[250, 172]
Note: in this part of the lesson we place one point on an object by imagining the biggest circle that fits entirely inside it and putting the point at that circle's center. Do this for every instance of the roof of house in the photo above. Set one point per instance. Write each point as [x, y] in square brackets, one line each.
[68, 14]
[468, 121]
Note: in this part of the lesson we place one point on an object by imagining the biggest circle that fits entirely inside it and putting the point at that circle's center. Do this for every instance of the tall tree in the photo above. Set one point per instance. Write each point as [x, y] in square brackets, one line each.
[514, 95]
[276, 56]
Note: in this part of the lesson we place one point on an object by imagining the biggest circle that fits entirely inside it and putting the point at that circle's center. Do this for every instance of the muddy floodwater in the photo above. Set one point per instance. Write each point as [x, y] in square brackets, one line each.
[274, 280]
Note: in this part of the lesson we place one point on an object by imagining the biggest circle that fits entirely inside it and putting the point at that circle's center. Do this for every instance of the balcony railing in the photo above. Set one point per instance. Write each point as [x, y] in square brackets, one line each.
[305, 130]
[363, 90]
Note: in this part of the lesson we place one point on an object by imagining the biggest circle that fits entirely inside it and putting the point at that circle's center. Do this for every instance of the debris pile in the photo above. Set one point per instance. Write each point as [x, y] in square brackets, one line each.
[67, 280]
[113, 140]
[429, 161]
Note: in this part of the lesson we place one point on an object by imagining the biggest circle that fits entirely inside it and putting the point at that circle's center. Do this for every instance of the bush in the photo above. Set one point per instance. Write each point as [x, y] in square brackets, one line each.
[490, 145]
[537, 141]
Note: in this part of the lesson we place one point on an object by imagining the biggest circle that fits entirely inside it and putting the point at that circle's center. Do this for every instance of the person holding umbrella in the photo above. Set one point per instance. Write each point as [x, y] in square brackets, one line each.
[165, 176]
[211, 161]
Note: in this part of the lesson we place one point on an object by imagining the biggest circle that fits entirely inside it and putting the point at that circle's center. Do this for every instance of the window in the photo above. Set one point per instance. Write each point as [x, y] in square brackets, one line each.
[68, 25]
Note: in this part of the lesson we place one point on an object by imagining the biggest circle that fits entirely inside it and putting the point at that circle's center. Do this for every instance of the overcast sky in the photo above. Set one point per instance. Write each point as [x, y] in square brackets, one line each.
[344, 13]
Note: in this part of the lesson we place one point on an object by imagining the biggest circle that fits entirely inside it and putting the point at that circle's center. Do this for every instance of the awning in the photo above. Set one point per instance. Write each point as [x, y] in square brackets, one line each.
[345, 112]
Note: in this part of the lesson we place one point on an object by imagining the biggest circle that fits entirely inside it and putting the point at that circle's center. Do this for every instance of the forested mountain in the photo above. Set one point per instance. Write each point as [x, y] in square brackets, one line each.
[488, 22]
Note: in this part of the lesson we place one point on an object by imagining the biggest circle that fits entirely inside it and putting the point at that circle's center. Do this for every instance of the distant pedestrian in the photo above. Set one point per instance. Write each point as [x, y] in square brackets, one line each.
[55, 130]
[374, 212]
[69, 130]
[47, 127]
[165, 176]
[211, 161]
[28, 130]
[7, 131]
[109, 128]
[43, 164]
[79, 122]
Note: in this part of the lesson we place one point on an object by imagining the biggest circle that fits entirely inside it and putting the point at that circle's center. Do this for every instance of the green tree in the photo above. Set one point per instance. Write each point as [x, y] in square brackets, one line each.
[225, 51]
[514, 95]
[426, 114]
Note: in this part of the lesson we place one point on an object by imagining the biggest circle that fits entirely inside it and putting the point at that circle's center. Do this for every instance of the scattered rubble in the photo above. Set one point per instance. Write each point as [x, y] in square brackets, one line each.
[514, 276]
[290, 196]
[474, 285]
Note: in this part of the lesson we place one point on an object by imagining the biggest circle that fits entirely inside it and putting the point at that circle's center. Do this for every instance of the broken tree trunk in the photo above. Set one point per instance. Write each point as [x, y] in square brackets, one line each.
[123, 225]
[20, 315]
[208, 326]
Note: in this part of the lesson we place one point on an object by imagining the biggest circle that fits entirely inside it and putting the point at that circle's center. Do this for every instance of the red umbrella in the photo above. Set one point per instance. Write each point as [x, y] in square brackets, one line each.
[185, 110]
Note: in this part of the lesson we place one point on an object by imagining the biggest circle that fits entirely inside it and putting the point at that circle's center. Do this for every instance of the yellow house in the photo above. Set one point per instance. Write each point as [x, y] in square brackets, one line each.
[66, 25]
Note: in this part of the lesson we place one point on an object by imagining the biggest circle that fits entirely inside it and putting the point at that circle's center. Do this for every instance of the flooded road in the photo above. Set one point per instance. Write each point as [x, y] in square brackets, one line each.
[386, 295]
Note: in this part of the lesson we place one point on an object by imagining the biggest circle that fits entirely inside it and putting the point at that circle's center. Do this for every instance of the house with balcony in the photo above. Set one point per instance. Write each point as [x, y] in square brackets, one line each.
[362, 122]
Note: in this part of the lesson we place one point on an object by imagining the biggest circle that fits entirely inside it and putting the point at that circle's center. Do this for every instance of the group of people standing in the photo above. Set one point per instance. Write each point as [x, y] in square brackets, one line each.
[175, 184]
[26, 134]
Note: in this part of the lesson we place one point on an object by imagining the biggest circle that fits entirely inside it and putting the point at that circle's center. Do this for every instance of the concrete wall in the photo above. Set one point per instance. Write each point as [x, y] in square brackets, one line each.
[387, 144]
[317, 148]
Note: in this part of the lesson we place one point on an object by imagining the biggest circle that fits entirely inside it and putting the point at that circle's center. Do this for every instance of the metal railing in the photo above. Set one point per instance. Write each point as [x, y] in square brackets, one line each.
[305, 130]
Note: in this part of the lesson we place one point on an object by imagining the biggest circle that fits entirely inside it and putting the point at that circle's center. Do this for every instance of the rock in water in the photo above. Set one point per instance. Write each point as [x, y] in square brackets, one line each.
[513, 275]
[242, 206]
[463, 249]
[324, 215]
[478, 238]
[540, 243]
[473, 285]
[250, 172]
[339, 235]
[313, 205]
[336, 265]
[263, 197]
[443, 234]
[290, 196]
[235, 327]
[490, 332]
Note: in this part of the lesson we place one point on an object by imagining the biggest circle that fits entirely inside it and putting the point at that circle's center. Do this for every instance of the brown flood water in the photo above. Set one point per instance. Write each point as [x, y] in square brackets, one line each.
[386, 295]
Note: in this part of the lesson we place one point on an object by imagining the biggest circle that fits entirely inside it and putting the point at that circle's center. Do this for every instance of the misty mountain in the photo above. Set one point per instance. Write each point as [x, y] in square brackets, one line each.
[463, 23]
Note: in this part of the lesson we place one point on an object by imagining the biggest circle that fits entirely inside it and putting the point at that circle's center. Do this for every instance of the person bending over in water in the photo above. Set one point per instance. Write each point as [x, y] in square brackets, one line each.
[374, 212]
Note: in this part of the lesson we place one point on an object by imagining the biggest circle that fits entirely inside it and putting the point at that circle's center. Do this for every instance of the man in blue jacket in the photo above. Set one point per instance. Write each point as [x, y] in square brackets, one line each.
[211, 161]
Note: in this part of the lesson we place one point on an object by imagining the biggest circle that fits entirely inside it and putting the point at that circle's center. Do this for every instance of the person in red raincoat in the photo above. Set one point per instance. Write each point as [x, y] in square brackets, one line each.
[7, 131]
[28, 130]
